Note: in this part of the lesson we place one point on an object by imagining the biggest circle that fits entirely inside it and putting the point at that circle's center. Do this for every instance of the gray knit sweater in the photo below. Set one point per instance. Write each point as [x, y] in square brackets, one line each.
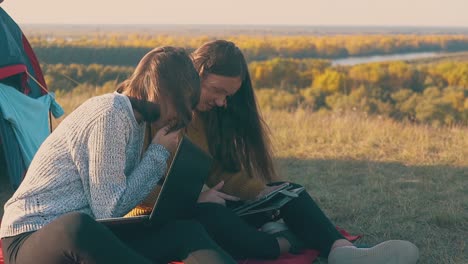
[91, 163]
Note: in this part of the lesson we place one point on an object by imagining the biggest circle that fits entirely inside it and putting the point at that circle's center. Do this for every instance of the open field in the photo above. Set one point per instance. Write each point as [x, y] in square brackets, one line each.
[382, 179]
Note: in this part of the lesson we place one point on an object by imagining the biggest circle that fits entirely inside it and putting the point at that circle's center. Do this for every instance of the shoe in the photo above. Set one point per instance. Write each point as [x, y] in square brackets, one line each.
[296, 245]
[273, 227]
[279, 229]
[388, 252]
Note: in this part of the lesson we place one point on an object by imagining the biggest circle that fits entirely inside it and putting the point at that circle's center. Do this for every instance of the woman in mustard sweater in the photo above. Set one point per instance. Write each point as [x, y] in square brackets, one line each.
[227, 124]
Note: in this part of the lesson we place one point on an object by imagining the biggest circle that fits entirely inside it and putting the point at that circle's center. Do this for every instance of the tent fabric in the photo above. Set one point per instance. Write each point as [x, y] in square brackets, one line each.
[11, 70]
[20, 68]
[15, 167]
[17, 57]
[35, 68]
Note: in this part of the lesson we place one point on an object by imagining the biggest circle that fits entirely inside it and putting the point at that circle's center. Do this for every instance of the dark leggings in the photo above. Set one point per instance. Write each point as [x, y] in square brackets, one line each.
[77, 238]
[241, 238]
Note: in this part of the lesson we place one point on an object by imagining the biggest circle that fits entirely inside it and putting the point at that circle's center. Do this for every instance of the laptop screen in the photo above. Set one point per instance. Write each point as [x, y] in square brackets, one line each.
[183, 183]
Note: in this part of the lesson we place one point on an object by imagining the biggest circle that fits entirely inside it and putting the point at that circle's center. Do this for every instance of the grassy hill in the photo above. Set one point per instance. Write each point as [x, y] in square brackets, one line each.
[377, 177]
[380, 178]
[373, 176]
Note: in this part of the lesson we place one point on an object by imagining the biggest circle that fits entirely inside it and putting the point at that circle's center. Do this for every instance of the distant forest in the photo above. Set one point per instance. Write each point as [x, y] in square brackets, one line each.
[289, 71]
[127, 49]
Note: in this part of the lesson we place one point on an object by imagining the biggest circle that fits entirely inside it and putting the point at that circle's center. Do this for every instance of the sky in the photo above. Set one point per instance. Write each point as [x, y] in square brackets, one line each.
[440, 13]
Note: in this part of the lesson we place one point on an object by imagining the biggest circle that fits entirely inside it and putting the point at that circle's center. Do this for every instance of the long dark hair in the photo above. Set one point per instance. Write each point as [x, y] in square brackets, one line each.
[237, 135]
[166, 71]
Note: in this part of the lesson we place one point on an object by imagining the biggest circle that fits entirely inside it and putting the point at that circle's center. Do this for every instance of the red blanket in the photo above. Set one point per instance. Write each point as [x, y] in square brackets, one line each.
[306, 257]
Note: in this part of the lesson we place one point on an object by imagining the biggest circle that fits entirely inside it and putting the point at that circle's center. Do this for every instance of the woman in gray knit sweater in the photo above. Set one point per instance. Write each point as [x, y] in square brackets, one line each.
[92, 167]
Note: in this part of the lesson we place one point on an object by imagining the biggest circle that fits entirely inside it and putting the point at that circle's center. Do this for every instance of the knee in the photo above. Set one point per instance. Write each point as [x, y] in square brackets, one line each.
[210, 214]
[76, 226]
[77, 221]
[188, 228]
[191, 232]
[191, 237]
[204, 208]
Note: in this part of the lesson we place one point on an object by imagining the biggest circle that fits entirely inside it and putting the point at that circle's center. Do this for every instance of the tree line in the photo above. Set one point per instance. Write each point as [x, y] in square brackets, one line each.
[127, 49]
[433, 93]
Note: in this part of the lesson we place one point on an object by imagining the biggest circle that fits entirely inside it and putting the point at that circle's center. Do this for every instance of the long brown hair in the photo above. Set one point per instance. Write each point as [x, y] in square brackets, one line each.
[168, 72]
[237, 135]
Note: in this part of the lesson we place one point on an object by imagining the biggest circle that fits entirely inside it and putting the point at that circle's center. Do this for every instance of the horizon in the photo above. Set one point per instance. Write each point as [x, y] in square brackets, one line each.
[329, 13]
[224, 29]
[244, 25]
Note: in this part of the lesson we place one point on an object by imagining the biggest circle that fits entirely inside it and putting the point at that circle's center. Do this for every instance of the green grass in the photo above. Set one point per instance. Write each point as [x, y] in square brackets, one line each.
[381, 179]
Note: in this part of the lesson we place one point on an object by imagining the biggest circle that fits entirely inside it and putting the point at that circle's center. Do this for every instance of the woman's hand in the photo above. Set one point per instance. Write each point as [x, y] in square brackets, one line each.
[167, 140]
[213, 195]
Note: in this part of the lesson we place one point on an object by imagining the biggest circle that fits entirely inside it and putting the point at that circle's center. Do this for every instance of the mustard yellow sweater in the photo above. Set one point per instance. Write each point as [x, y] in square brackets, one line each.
[238, 184]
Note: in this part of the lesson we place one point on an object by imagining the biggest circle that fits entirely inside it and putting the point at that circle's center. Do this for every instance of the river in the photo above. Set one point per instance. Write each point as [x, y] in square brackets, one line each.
[380, 58]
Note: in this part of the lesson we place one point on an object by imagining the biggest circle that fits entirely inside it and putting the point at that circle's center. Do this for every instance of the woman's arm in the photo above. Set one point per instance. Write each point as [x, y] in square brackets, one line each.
[237, 184]
[112, 193]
